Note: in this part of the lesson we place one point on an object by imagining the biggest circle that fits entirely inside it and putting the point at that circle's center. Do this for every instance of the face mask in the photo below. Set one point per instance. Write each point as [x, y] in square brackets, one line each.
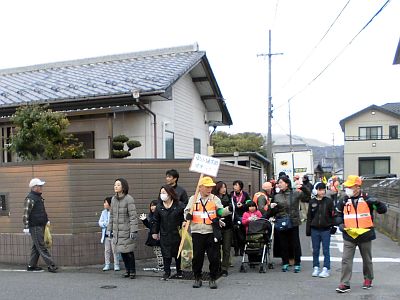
[163, 197]
[349, 192]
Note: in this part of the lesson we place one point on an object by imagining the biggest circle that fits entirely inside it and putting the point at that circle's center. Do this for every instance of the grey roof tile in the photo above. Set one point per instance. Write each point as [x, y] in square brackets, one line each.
[393, 107]
[149, 71]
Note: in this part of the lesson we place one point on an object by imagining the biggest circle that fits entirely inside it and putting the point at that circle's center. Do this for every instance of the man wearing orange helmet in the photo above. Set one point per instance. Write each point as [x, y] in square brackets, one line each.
[355, 216]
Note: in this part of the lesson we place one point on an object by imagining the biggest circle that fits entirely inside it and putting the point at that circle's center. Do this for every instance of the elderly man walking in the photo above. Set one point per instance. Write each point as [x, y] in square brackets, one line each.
[35, 220]
[355, 216]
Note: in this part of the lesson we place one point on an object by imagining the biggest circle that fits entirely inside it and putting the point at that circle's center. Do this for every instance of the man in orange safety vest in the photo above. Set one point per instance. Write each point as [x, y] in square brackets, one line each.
[355, 219]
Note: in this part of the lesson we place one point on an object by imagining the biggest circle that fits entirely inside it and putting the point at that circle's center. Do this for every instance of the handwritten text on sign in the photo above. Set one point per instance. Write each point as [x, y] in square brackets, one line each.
[205, 164]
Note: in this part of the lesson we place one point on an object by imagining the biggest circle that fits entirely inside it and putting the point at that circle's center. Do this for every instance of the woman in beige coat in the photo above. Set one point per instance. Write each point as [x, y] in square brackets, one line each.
[123, 225]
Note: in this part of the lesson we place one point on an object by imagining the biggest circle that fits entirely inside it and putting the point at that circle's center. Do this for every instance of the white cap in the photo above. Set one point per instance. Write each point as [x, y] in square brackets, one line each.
[36, 181]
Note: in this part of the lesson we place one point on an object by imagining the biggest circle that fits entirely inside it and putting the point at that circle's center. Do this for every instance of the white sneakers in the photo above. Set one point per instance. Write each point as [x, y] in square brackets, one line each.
[324, 273]
[315, 272]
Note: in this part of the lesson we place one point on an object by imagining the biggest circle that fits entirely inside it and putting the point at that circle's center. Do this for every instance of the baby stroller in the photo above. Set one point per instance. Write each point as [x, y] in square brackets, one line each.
[258, 245]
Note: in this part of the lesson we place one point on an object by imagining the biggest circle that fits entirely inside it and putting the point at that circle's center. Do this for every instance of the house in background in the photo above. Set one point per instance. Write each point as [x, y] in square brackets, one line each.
[166, 99]
[371, 141]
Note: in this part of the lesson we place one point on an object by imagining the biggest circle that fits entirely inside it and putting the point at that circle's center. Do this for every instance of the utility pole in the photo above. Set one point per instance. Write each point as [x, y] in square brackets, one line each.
[269, 134]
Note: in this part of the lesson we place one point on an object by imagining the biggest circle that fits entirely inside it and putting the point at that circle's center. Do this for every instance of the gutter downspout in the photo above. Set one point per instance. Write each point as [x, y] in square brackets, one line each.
[136, 95]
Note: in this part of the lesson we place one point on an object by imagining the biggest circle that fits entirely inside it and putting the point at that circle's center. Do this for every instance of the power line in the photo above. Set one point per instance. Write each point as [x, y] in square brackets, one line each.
[337, 56]
[316, 46]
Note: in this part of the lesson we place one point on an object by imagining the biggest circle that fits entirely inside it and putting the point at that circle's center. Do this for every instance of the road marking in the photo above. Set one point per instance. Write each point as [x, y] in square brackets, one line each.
[356, 259]
[16, 270]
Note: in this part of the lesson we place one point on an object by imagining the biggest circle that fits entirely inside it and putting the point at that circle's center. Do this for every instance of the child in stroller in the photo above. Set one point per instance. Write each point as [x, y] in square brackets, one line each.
[258, 239]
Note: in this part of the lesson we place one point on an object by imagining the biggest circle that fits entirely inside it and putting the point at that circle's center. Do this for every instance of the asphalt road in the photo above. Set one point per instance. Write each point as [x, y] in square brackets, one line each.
[91, 283]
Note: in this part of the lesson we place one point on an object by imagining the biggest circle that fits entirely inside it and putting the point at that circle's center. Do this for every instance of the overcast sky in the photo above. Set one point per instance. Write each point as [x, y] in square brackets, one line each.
[232, 33]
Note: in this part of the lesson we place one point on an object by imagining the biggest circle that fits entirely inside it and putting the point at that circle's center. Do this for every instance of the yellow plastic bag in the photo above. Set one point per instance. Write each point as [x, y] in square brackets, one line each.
[187, 251]
[48, 240]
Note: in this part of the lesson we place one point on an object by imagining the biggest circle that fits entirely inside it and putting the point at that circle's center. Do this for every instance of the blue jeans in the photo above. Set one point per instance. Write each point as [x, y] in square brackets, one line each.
[317, 237]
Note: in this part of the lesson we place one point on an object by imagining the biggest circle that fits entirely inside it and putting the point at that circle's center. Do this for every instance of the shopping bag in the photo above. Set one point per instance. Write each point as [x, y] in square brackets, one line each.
[187, 250]
[48, 240]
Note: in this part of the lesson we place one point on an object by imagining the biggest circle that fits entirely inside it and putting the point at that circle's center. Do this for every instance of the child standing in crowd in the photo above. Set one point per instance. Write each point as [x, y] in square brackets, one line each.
[148, 221]
[109, 247]
[320, 220]
[251, 215]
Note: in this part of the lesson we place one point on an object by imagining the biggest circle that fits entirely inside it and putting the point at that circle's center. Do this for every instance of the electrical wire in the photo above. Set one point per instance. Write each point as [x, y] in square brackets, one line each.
[336, 57]
[316, 46]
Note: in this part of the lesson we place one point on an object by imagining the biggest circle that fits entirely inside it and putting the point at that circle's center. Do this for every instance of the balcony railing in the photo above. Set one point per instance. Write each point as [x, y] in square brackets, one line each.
[370, 138]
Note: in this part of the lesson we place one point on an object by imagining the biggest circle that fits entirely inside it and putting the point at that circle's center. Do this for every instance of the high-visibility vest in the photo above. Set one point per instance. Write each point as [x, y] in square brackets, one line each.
[200, 216]
[257, 195]
[357, 218]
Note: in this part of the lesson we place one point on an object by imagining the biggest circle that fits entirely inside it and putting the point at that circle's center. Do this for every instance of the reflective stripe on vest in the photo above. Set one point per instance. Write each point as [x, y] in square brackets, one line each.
[357, 218]
[200, 216]
[257, 195]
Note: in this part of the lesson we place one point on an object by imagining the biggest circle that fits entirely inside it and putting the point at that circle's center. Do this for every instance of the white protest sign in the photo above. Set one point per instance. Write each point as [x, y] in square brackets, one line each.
[205, 164]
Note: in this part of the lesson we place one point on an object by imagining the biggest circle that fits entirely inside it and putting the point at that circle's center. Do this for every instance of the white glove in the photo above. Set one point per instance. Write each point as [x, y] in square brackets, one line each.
[142, 217]
[26, 231]
[273, 205]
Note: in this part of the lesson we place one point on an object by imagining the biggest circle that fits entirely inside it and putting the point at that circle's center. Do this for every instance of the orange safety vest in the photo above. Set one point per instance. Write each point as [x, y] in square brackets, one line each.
[200, 216]
[257, 195]
[357, 218]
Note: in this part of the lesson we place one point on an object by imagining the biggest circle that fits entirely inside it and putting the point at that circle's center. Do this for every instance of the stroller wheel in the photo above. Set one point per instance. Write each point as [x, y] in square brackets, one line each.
[270, 266]
[242, 269]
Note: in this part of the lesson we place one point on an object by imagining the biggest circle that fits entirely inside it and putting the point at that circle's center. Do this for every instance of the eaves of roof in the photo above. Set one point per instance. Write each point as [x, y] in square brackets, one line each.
[369, 108]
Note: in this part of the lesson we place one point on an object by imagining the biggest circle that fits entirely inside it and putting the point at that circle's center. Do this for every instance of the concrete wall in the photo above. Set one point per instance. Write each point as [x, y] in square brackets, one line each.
[74, 194]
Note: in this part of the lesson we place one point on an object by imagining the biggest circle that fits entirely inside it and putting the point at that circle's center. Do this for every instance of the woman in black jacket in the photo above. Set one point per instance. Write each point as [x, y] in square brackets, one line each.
[168, 218]
[320, 220]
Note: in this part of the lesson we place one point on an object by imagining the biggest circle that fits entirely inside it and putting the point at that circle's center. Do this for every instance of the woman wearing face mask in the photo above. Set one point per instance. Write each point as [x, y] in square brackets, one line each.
[168, 218]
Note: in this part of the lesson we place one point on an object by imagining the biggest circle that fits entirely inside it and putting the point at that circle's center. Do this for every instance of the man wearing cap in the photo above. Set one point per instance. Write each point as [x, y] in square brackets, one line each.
[355, 216]
[203, 212]
[35, 220]
[263, 198]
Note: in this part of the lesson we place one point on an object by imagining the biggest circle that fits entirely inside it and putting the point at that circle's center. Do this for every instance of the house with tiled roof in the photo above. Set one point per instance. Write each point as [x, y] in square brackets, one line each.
[167, 99]
[372, 142]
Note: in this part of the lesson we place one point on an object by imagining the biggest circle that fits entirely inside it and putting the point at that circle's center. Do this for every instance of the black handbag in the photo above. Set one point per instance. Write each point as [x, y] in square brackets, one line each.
[284, 223]
[215, 225]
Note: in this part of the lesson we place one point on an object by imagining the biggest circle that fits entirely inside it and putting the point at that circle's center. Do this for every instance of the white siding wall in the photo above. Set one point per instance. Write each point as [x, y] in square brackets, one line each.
[100, 128]
[184, 116]
[370, 148]
[189, 118]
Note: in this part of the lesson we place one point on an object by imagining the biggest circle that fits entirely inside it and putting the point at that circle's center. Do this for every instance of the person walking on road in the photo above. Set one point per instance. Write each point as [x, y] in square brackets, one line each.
[355, 219]
[35, 219]
[320, 220]
[123, 225]
[206, 210]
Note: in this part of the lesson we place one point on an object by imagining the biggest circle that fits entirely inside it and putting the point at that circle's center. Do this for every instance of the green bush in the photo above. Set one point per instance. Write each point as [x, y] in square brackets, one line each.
[133, 144]
[120, 153]
[121, 138]
[118, 145]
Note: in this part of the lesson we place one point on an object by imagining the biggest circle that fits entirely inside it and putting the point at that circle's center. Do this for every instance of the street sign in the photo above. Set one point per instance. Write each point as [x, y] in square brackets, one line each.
[205, 164]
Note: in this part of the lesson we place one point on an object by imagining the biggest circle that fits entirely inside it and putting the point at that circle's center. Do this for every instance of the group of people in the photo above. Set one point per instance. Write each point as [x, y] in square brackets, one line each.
[231, 212]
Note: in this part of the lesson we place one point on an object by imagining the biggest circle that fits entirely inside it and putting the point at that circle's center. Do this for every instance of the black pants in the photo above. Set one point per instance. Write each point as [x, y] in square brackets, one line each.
[38, 248]
[239, 238]
[203, 243]
[129, 261]
[288, 240]
[167, 264]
